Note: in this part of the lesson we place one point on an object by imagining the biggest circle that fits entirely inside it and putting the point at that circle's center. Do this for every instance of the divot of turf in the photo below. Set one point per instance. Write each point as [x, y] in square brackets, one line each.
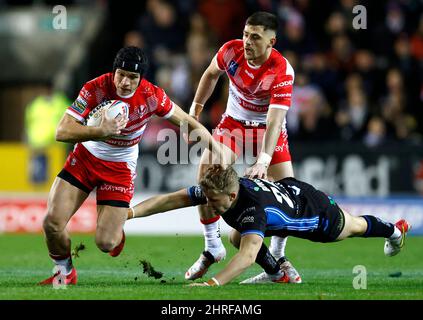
[149, 270]
[78, 248]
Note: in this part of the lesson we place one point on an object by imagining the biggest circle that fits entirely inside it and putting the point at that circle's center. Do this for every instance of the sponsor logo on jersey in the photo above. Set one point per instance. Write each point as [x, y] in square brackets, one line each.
[198, 193]
[141, 109]
[250, 75]
[112, 188]
[282, 95]
[284, 84]
[164, 100]
[233, 66]
[124, 143]
[248, 219]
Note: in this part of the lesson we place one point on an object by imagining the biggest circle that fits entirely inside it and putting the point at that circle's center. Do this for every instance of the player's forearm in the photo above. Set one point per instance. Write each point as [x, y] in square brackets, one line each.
[205, 89]
[274, 121]
[271, 136]
[238, 264]
[78, 134]
[160, 203]
[206, 137]
[70, 130]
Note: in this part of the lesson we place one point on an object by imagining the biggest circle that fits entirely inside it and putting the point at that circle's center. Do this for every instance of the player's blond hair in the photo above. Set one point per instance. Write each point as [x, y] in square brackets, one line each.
[220, 180]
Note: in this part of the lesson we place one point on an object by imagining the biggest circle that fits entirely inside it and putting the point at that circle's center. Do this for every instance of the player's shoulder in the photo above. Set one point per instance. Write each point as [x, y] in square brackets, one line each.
[280, 64]
[148, 88]
[101, 81]
[235, 44]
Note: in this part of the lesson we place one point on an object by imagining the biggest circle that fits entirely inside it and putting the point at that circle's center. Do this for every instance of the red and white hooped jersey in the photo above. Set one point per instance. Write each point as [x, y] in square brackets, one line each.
[253, 90]
[147, 100]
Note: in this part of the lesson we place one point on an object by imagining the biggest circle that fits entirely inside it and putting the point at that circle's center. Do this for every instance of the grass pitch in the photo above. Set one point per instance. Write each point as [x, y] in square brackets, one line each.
[326, 270]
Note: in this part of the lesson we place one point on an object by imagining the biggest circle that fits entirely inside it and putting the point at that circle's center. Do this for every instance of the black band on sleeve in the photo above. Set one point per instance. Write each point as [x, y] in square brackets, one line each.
[196, 195]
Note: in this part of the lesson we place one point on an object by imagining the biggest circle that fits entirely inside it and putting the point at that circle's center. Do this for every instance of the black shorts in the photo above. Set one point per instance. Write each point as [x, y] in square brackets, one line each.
[332, 222]
[331, 217]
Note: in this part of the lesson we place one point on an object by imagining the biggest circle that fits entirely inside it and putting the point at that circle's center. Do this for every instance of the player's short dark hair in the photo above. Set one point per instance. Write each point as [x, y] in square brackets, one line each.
[265, 19]
[131, 59]
[219, 179]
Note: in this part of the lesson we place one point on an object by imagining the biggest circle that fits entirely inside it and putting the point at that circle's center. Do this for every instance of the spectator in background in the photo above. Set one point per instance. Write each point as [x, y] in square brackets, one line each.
[385, 33]
[417, 41]
[364, 62]
[336, 58]
[189, 70]
[405, 62]
[307, 118]
[161, 28]
[353, 116]
[225, 17]
[159, 32]
[393, 104]
[376, 132]
[323, 75]
[341, 55]
[41, 118]
[294, 35]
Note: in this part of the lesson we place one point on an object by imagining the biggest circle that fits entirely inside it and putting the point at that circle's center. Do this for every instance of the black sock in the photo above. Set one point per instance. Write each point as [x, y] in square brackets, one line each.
[267, 261]
[378, 228]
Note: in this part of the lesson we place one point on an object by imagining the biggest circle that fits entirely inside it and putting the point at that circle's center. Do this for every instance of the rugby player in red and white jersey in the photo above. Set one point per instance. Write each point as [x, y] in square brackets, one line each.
[260, 88]
[105, 157]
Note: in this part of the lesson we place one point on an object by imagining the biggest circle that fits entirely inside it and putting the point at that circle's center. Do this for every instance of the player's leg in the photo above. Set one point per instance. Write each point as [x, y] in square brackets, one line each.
[114, 195]
[109, 236]
[64, 200]
[277, 171]
[370, 226]
[214, 250]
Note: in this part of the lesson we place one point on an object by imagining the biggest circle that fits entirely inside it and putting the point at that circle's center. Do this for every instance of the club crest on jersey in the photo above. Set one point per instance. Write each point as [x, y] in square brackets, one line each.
[233, 66]
[141, 109]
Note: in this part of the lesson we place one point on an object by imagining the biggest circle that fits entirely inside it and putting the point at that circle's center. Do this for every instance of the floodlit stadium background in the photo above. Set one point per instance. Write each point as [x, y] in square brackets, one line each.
[355, 125]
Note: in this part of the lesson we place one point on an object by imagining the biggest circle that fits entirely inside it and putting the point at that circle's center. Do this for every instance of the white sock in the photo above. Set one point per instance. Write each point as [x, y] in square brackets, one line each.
[397, 233]
[277, 246]
[212, 241]
[65, 263]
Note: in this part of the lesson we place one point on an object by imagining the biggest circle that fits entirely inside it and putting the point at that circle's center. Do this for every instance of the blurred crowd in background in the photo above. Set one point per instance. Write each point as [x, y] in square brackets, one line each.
[351, 85]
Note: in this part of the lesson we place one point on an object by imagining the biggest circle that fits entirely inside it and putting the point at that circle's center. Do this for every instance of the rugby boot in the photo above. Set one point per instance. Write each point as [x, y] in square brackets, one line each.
[394, 246]
[57, 279]
[201, 266]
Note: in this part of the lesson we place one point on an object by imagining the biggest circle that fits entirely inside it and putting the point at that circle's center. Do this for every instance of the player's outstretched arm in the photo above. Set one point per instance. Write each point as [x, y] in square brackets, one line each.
[274, 120]
[181, 118]
[160, 203]
[205, 88]
[246, 256]
[71, 130]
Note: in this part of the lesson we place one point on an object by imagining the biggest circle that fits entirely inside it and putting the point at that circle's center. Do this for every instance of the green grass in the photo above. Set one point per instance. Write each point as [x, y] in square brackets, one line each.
[326, 269]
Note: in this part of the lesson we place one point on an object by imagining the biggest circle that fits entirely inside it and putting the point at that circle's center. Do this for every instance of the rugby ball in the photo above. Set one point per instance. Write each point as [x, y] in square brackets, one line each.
[114, 108]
